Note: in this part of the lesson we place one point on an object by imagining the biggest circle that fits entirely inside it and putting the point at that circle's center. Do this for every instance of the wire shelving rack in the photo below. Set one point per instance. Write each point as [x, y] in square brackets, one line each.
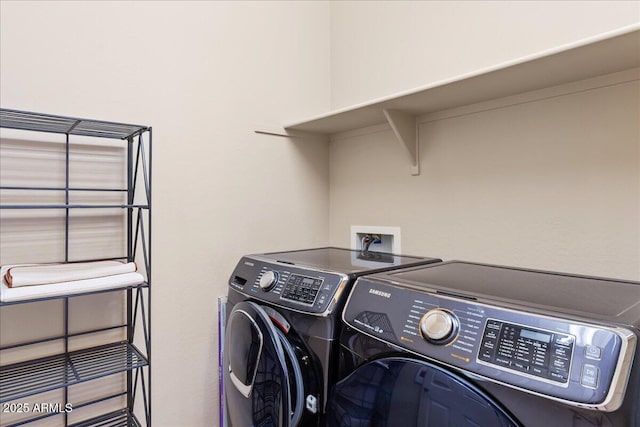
[132, 356]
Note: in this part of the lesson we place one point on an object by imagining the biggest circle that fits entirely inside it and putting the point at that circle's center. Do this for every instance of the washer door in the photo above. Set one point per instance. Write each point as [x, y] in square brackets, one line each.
[259, 372]
[411, 393]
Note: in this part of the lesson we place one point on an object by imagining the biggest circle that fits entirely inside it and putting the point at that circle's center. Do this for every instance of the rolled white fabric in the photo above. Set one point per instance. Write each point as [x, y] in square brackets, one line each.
[42, 274]
[68, 288]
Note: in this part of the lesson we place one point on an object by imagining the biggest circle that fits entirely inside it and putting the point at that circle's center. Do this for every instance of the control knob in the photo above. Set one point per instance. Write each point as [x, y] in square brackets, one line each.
[268, 280]
[438, 326]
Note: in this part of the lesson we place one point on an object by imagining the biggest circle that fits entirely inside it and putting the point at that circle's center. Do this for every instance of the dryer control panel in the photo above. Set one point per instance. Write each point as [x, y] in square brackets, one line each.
[284, 285]
[578, 363]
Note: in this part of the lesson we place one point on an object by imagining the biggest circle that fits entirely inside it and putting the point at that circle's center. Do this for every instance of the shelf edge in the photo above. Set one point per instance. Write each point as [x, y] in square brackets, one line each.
[629, 29]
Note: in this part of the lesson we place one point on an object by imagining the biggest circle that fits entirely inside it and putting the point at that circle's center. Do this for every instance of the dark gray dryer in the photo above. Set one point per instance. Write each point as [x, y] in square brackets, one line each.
[465, 344]
[281, 339]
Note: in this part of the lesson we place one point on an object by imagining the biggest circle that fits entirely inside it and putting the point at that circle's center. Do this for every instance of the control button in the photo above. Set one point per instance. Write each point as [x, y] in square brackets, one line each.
[562, 351]
[490, 344]
[539, 362]
[539, 371]
[492, 324]
[561, 376]
[589, 377]
[438, 326]
[502, 361]
[485, 354]
[593, 352]
[520, 366]
[268, 280]
[491, 334]
[562, 340]
[560, 363]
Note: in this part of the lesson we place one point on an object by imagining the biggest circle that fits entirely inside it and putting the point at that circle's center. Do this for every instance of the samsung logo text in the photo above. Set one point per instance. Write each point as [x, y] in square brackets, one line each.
[380, 293]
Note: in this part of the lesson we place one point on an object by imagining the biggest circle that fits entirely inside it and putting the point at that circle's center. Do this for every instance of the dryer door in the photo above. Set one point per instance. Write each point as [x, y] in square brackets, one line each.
[257, 388]
[411, 393]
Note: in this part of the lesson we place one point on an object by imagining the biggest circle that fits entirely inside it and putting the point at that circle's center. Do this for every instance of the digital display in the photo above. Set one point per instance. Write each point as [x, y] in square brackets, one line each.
[307, 281]
[538, 336]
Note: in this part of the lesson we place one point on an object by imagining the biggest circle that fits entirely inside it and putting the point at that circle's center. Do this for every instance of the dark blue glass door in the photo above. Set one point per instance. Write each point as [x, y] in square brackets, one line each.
[255, 370]
[411, 393]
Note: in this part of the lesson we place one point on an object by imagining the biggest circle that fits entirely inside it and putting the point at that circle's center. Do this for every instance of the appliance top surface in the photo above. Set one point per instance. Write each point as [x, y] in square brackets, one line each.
[346, 261]
[616, 300]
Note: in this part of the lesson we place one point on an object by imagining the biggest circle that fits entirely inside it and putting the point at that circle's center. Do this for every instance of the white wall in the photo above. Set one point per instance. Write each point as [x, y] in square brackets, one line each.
[380, 48]
[203, 74]
[517, 185]
[552, 182]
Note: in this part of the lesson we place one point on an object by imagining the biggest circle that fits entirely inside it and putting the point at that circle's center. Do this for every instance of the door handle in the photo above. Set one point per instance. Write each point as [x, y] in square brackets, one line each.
[243, 388]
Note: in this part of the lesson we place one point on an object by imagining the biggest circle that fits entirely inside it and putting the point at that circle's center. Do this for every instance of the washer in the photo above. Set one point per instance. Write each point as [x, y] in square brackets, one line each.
[467, 344]
[281, 337]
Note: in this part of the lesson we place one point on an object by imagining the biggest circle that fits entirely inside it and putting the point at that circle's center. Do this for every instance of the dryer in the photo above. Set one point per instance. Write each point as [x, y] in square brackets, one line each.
[282, 329]
[467, 344]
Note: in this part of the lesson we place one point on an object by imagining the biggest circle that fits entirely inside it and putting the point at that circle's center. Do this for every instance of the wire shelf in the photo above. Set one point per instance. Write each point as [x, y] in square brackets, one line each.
[75, 206]
[24, 379]
[77, 294]
[121, 418]
[28, 378]
[121, 190]
[25, 120]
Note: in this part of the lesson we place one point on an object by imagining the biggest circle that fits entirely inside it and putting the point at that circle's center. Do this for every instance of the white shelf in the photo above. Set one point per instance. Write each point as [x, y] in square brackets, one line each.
[603, 54]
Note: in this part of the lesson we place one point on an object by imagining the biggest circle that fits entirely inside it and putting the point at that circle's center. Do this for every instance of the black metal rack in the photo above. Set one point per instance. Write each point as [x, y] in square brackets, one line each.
[132, 357]
[120, 418]
[24, 379]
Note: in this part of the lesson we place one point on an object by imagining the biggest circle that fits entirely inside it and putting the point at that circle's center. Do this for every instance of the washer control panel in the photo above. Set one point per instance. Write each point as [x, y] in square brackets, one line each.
[542, 353]
[303, 289]
[289, 286]
[578, 363]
